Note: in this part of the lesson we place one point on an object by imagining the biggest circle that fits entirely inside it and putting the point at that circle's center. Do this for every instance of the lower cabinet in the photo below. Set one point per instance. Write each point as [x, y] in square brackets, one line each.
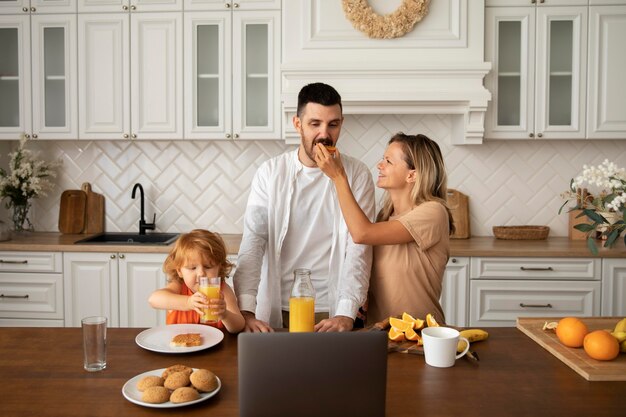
[614, 287]
[454, 294]
[502, 289]
[31, 289]
[115, 285]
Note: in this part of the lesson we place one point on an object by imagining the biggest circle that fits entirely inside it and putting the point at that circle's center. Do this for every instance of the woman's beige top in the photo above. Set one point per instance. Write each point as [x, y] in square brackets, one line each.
[408, 277]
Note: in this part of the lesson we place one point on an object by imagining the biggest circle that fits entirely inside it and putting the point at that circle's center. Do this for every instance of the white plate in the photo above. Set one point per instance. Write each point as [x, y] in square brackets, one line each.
[133, 395]
[158, 339]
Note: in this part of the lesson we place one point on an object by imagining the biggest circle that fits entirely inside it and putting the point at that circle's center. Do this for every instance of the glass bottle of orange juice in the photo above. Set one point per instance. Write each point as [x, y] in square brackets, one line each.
[211, 288]
[302, 302]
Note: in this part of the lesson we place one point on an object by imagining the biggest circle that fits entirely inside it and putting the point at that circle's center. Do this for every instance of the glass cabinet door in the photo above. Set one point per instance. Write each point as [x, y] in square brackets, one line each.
[510, 46]
[561, 72]
[208, 75]
[255, 71]
[15, 111]
[54, 76]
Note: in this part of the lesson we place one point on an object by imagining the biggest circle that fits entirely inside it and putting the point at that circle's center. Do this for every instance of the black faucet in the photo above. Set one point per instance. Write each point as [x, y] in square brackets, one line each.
[143, 226]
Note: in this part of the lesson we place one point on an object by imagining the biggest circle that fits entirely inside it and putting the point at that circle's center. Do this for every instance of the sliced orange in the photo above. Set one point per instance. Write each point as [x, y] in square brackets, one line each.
[396, 335]
[410, 334]
[419, 324]
[408, 318]
[430, 321]
[399, 324]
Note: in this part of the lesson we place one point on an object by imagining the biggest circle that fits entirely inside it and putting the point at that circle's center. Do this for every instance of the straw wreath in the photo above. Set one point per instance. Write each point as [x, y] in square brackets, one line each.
[392, 25]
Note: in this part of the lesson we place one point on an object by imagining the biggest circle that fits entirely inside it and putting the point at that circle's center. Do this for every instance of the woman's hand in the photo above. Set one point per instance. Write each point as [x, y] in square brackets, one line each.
[329, 164]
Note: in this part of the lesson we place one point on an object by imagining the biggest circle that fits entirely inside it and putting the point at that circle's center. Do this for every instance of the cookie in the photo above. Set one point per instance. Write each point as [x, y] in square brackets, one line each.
[203, 380]
[149, 381]
[155, 395]
[176, 380]
[176, 368]
[183, 395]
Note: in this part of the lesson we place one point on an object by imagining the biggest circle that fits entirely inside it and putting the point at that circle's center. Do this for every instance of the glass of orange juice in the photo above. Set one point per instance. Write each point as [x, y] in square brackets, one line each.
[302, 302]
[211, 288]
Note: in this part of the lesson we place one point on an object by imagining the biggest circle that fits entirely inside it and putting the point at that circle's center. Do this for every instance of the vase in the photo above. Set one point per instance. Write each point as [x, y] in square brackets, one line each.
[21, 222]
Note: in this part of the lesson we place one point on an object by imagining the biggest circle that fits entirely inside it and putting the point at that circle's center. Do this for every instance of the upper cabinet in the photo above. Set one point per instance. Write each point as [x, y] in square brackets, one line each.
[96, 6]
[38, 96]
[538, 81]
[130, 70]
[37, 6]
[606, 98]
[232, 60]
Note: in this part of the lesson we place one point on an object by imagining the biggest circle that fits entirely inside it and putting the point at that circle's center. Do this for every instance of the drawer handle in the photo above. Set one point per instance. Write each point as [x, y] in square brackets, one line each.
[2, 261]
[535, 305]
[13, 296]
[523, 268]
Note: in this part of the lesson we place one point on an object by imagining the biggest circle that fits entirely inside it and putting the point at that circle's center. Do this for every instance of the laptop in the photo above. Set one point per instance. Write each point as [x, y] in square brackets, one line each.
[312, 374]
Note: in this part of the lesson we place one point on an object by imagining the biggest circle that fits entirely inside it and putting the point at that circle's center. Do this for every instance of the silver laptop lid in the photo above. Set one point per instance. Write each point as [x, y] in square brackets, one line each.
[312, 374]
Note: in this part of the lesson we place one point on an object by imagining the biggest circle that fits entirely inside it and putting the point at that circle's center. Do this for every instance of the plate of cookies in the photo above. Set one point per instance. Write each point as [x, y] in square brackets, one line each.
[179, 338]
[175, 386]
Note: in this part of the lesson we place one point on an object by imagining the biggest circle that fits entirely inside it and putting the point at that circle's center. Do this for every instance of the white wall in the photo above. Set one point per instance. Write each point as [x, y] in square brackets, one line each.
[205, 183]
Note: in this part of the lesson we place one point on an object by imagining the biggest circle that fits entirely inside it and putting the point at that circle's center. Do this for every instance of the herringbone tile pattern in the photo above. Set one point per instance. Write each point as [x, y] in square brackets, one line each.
[205, 183]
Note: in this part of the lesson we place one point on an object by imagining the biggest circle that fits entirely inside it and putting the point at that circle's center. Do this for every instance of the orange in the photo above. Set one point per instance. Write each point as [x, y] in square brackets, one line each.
[419, 324]
[396, 335]
[408, 318]
[601, 345]
[410, 334]
[430, 321]
[399, 324]
[571, 331]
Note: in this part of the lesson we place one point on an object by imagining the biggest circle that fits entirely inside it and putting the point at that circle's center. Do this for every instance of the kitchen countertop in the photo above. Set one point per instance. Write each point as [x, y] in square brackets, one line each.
[474, 246]
[515, 377]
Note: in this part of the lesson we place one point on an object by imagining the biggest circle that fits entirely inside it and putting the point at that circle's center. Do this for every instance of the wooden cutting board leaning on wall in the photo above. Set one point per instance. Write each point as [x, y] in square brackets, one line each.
[459, 206]
[81, 211]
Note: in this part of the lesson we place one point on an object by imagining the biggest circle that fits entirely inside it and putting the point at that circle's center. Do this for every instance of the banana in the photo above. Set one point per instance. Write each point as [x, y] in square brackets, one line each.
[473, 335]
[620, 326]
[620, 336]
[622, 347]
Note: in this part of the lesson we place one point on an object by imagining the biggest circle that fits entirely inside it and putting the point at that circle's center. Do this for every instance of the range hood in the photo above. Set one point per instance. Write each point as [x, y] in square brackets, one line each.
[437, 68]
[453, 89]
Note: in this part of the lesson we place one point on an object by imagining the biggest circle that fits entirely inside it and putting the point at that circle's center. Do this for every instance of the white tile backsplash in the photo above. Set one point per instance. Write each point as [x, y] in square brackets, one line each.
[206, 183]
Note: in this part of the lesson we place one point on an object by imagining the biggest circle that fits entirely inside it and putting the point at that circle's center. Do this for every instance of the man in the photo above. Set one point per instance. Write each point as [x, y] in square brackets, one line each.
[293, 221]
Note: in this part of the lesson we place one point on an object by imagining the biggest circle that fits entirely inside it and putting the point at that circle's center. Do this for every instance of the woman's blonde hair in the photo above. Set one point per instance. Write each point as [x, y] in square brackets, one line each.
[210, 246]
[431, 181]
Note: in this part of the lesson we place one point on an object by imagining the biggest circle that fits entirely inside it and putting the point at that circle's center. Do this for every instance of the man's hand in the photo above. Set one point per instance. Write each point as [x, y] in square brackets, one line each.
[253, 325]
[335, 324]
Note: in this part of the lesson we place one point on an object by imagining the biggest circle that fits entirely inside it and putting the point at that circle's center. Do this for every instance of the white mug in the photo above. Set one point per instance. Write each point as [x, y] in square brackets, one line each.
[440, 345]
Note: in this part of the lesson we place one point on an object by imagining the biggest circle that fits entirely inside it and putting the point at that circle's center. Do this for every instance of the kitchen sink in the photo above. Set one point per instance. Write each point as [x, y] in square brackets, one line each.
[114, 238]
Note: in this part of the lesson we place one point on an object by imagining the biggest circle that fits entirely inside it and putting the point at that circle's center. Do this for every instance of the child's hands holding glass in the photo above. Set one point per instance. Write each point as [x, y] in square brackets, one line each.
[215, 306]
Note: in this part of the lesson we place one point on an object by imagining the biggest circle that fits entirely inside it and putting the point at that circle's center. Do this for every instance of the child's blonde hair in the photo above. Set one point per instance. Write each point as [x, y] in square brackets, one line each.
[210, 246]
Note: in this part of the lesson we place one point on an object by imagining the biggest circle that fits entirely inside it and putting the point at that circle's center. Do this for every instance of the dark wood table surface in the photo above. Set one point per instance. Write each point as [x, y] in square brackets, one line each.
[41, 374]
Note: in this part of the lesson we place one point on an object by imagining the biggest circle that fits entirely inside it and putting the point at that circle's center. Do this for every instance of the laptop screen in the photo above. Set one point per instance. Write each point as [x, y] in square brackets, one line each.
[312, 374]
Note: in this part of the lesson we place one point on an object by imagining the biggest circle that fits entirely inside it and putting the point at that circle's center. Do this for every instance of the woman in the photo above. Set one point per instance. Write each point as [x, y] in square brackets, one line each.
[412, 230]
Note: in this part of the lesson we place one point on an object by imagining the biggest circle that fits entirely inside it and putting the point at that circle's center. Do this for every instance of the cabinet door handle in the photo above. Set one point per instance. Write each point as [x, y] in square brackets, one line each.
[133, 136]
[25, 9]
[34, 136]
[112, 256]
[133, 7]
[122, 256]
[236, 5]
[2, 261]
[539, 135]
[227, 5]
[32, 9]
[535, 305]
[531, 135]
[124, 7]
[14, 296]
[236, 136]
[523, 268]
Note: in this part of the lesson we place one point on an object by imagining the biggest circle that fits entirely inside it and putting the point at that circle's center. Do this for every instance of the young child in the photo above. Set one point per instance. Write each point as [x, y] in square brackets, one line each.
[196, 254]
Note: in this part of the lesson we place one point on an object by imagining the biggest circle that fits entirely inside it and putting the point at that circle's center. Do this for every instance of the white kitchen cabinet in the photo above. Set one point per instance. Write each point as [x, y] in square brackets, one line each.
[97, 6]
[232, 61]
[614, 287]
[502, 289]
[606, 96]
[38, 80]
[454, 296]
[140, 274]
[31, 289]
[232, 5]
[130, 67]
[115, 285]
[37, 6]
[538, 78]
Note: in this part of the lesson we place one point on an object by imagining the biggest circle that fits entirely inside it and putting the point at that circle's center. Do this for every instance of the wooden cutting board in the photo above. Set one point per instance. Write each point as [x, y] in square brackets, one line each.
[94, 210]
[577, 359]
[459, 207]
[72, 211]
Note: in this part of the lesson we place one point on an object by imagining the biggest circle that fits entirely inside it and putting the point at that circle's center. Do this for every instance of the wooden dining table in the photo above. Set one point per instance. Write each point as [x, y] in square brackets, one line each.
[41, 374]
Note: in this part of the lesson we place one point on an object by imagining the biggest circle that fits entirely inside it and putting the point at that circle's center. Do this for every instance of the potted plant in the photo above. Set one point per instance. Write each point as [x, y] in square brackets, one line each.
[604, 207]
[28, 177]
